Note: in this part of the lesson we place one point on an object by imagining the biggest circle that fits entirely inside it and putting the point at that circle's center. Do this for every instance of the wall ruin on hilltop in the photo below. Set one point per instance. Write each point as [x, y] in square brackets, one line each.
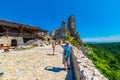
[66, 29]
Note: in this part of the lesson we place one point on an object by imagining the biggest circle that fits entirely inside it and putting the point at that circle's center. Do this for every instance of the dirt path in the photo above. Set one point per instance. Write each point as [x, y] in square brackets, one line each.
[33, 64]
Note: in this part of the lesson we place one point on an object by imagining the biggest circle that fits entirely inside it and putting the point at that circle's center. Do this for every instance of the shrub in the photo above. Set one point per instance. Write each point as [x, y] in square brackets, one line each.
[73, 41]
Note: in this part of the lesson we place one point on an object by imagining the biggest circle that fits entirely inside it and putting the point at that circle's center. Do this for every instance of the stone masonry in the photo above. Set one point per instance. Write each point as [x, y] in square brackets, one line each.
[7, 40]
[87, 68]
[66, 29]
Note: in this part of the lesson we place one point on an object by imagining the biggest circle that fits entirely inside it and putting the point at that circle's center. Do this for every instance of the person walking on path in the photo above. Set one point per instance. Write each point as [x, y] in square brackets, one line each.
[66, 55]
[53, 46]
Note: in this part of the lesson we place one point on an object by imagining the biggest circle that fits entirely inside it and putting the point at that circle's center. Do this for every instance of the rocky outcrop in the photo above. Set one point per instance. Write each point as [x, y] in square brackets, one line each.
[66, 29]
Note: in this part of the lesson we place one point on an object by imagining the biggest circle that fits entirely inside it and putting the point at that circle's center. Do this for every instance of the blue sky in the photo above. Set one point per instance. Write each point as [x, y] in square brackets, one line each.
[95, 19]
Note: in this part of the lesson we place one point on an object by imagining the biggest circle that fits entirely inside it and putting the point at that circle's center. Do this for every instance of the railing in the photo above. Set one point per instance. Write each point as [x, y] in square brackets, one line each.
[21, 34]
[18, 34]
[6, 48]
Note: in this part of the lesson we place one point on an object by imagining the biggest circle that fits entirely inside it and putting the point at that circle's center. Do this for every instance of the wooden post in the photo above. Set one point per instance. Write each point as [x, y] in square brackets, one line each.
[7, 32]
[21, 31]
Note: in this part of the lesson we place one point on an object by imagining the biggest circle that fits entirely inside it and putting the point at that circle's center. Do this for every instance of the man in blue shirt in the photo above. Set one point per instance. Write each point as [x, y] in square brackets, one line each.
[66, 55]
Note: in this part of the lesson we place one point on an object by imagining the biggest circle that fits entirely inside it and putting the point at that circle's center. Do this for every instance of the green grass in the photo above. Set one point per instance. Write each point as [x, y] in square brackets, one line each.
[106, 58]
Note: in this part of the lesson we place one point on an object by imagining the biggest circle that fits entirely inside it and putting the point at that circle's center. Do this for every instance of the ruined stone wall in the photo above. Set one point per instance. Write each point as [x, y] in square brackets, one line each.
[7, 40]
[72, 25]
[86, 69]
[66, 29]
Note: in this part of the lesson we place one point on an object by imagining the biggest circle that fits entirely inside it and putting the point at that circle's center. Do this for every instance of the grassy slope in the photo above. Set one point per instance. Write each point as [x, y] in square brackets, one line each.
[106, 58]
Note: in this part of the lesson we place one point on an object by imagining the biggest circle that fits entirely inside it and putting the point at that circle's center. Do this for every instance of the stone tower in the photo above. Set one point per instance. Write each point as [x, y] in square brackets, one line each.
[63, 29]
[72, 25]
[60, 33]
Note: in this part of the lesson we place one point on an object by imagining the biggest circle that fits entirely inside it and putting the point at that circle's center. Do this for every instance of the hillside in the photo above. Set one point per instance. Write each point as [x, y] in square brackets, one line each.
[106, 58]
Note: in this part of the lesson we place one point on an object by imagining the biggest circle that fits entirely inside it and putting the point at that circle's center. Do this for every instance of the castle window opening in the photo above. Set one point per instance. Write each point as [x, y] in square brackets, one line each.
[13, 42]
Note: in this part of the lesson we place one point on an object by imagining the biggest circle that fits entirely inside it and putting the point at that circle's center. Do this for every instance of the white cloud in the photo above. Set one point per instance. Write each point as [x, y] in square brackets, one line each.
[115, 38]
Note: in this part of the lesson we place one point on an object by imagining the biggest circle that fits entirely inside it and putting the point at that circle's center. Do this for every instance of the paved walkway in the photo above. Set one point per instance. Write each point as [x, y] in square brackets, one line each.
[33, 64]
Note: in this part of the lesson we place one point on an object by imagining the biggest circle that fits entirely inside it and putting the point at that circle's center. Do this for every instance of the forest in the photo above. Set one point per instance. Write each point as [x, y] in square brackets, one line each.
[106, 58]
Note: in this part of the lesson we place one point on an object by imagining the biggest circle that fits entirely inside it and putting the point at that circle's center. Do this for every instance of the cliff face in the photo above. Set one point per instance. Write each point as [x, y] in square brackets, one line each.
[66, 29]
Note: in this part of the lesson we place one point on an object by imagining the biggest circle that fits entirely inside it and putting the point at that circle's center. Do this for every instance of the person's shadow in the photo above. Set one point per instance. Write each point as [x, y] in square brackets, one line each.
[53, 69]
[49, 54]
[58, 69]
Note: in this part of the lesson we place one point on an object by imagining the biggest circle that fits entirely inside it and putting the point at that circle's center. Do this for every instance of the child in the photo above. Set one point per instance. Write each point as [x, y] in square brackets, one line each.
[53, 46]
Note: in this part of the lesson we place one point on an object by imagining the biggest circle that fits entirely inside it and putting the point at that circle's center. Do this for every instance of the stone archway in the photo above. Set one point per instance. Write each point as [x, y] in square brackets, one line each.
[13, 42]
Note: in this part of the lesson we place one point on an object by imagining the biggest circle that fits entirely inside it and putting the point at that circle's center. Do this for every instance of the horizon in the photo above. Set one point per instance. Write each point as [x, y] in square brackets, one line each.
[95, 20]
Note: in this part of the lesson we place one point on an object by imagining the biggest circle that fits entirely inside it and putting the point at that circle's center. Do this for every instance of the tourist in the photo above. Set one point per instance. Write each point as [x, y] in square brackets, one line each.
[66, 55]
[53, 46]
